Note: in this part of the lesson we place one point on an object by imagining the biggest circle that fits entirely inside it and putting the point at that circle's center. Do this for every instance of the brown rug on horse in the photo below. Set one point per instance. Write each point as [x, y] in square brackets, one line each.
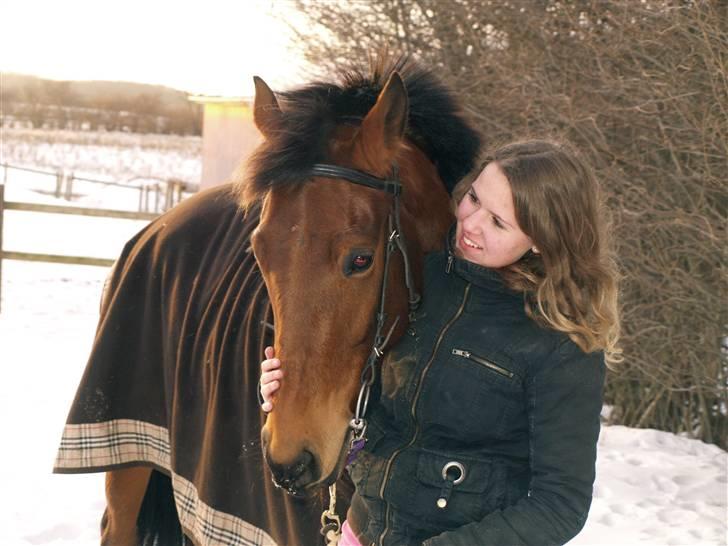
[166, 384]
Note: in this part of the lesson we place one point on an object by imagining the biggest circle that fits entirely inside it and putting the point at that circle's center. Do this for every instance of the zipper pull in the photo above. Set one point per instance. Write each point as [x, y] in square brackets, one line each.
[460, 352]
[448, 267]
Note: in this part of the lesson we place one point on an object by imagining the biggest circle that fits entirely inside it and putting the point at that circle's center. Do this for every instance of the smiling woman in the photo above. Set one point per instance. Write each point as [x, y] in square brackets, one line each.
[487, 230]
[486, 424]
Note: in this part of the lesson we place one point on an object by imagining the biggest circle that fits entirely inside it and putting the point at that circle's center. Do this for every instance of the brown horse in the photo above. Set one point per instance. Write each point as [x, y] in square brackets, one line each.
[170, 389]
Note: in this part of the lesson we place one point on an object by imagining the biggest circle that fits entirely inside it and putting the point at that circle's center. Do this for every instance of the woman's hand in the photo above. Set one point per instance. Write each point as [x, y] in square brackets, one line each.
[270, 378]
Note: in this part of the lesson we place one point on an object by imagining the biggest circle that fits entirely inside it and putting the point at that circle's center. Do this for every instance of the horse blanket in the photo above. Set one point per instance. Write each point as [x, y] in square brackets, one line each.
[172, 378]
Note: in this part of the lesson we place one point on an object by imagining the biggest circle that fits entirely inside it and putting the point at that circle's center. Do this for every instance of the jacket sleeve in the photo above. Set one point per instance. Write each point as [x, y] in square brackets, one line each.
[564, 403]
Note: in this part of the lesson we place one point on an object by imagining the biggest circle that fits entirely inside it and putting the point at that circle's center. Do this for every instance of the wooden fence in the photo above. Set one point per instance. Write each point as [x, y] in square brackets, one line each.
[157, 196]
[58, 209]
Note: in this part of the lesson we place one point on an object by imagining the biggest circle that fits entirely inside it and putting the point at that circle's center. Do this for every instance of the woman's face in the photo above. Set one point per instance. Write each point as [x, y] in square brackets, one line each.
[487, 232]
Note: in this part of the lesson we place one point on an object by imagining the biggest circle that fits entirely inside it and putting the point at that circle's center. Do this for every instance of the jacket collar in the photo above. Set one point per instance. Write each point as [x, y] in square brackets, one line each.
[478, 275]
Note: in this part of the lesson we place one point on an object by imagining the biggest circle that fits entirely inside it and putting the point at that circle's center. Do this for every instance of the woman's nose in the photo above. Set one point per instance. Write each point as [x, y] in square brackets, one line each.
[473, 222]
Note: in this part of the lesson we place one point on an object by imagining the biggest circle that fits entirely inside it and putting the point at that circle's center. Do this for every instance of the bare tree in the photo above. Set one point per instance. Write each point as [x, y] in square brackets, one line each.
[642, 89]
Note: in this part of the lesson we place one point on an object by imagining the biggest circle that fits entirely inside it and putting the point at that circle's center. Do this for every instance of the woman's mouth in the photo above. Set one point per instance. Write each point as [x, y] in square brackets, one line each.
[469, 243]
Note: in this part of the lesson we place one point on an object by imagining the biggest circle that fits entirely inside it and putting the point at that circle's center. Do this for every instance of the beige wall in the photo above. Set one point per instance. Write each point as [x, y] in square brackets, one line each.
[229, 136]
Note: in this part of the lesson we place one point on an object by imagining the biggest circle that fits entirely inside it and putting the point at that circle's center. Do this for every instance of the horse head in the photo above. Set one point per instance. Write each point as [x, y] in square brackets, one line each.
[321, 245]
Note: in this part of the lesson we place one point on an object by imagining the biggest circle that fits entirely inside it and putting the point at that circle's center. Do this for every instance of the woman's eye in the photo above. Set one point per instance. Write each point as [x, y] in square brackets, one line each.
[473, 198]
[497, 222]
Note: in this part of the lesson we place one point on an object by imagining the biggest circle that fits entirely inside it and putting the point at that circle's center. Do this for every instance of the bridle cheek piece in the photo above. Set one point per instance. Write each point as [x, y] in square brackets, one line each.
[395, 241]
[356, 437]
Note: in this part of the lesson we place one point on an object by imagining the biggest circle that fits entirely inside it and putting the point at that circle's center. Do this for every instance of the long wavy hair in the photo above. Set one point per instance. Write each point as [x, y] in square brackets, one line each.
[571, 284]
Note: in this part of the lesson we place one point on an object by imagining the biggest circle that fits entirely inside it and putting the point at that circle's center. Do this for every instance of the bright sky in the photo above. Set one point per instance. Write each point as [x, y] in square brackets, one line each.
[200, 46]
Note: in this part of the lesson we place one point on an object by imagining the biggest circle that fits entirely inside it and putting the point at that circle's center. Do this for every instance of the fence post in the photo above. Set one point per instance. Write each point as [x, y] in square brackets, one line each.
[59, 184]
[168, 193]
[69, 186]
[2, 210]
[157, 191]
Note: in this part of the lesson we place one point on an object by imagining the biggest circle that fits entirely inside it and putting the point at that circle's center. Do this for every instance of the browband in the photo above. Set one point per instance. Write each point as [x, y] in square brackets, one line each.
[357, 177]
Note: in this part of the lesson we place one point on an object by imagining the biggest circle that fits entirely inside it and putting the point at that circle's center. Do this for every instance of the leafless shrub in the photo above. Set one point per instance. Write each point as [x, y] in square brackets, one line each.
[642, 89]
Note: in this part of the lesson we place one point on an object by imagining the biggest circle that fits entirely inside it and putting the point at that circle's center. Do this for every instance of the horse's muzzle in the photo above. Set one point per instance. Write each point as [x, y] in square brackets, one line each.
[295, 478]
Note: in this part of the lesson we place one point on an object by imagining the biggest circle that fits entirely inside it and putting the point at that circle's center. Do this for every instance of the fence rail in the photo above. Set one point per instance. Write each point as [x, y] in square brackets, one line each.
[59, 209]
[80, 211]
[160, 195]
[56, 258]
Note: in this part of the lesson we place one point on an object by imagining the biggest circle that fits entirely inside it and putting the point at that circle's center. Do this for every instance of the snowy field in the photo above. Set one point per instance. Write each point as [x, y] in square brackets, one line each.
[130, 162]
[653, 488]
[112, 156]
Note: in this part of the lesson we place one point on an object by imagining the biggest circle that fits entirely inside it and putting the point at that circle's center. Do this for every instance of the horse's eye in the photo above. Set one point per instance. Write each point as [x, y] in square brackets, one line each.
[358, 263]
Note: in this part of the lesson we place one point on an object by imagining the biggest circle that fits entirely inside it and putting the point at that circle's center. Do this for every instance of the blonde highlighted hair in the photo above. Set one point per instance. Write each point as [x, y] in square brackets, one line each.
[571, 285]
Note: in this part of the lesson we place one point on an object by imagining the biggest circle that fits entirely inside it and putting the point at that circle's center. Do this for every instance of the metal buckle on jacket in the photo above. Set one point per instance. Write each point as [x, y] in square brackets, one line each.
[453, 473]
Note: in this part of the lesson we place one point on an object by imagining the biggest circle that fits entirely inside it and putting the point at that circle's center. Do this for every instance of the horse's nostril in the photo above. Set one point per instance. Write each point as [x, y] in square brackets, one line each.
[295, 477]
[305, 462]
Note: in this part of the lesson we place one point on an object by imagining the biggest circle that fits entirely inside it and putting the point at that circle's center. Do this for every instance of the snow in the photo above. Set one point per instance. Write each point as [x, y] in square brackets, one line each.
[652, 487]
[114, 156]
[46, 326]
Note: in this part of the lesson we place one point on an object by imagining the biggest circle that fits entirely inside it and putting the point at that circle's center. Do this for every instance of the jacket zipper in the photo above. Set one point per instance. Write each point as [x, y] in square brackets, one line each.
[413, 411]
[483, 362]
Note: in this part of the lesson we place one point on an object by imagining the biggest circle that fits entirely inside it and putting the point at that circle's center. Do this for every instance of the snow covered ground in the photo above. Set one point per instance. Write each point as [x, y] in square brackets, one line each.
[113, 156]
[131, 163]
[653, 488]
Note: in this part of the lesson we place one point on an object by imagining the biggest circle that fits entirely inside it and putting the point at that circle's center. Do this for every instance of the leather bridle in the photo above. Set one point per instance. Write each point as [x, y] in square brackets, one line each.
[356, 437]
[395, 241]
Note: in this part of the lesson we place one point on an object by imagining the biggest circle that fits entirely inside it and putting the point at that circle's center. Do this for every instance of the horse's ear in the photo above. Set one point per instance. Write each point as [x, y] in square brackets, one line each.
[266, 112]
[384, 125]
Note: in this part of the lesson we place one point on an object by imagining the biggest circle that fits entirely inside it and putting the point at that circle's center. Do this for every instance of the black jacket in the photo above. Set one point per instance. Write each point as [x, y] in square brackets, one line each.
[513, 406]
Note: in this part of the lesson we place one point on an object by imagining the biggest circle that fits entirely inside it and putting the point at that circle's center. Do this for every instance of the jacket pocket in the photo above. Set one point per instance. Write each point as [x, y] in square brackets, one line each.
[469, 487]
[487, 364]
[468, 399]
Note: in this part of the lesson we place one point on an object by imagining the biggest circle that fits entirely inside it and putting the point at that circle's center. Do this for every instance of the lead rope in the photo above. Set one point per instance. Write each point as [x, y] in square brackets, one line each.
[330, 520]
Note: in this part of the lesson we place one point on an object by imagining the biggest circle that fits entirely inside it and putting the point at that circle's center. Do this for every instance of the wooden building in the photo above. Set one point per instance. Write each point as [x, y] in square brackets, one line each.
[229, 136]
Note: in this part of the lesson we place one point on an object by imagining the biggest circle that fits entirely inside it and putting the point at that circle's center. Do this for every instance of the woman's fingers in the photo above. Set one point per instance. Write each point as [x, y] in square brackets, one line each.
[269, 384]
[269, 378]
[268, 389]
[270, 364]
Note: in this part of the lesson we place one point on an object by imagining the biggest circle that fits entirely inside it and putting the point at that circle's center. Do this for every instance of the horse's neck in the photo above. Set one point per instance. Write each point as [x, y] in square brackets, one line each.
[426, 200]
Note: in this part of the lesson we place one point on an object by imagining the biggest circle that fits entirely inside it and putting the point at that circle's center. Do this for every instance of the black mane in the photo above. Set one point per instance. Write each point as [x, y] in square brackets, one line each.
[310, 114]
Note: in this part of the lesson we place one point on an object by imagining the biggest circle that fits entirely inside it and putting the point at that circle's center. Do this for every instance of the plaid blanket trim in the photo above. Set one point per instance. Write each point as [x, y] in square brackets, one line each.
[120, 441]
